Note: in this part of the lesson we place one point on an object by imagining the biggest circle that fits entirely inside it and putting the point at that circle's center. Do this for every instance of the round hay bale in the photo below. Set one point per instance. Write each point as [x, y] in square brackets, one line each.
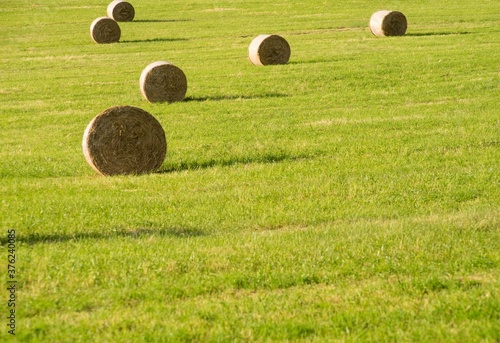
[105, 30]
[124, 140]
[121, 10]
[388, 23]
[162, 81]
[269, 49]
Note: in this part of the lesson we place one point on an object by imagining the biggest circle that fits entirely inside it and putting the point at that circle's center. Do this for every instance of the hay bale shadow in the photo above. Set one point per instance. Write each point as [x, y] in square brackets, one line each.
[139, 232]
[161, 20]
[234, 97]
[200, 165]
[154, 40]
[424, 34]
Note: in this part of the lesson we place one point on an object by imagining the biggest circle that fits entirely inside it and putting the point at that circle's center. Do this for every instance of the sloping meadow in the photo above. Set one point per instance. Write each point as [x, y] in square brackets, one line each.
[351, 194]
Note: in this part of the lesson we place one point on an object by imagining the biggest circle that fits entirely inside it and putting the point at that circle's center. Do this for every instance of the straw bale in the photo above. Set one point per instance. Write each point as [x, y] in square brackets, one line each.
[163, 82]
[105, 30]
[269, 49]
[388, 23]
[124, 140]
[121, 10]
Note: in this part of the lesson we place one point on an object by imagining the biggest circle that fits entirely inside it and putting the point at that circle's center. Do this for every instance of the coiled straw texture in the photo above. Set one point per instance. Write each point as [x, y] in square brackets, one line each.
[163, 82]
[388, 23]
[124, 140]
[121, 10]
[105, 30]
[269, 49]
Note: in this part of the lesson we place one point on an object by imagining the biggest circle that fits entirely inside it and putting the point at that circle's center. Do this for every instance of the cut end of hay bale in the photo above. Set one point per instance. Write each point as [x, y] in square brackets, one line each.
[124, 140]
[388, 23]
[268, 50]
[105, 30]
[163, 82]
[121, 10]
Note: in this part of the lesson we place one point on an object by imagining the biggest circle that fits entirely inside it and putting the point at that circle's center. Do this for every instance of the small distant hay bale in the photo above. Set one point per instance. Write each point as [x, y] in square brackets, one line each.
[163, 82]
[269, 49]
[105, 30]
[124, 140]
[121, 10]
[388, 23]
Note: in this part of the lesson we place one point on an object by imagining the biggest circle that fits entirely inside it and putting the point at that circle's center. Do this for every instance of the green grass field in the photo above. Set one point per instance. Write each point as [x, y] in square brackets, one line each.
[351, 195]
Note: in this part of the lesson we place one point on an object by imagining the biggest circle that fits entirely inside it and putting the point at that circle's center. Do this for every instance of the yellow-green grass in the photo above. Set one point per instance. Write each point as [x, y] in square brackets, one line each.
[350, 195]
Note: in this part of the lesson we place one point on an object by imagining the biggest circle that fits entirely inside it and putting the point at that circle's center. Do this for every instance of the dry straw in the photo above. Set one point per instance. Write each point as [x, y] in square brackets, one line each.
[124, 140]
[121, 10]
[162, 81]
[388, 23]
[269, 49]
[105, 30]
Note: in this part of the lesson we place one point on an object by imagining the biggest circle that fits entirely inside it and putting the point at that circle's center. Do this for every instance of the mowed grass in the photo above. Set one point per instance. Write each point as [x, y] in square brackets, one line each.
[350, 195]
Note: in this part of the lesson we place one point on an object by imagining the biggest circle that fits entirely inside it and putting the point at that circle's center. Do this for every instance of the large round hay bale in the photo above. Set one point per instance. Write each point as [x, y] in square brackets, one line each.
[121, 10]
[388, 23]
[105, 30]
[124, 140]
[269, 49]
[162, 81]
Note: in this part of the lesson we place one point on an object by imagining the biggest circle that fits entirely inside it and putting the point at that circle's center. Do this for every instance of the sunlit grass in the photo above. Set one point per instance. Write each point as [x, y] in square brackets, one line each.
[350, 195]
